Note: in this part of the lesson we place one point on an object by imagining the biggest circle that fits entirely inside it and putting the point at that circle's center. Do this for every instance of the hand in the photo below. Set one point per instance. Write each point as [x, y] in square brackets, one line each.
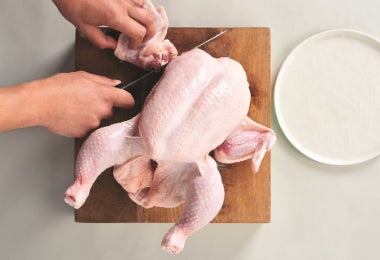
[127, 16]
[69, 104]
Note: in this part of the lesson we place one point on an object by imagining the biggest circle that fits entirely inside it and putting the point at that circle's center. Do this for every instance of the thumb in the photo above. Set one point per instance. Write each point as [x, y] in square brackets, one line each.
[122, 98]
[98, 38]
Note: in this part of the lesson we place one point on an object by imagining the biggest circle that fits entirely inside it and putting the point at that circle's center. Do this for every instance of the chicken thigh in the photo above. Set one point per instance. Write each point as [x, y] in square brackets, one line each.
[153, 53]
[161, 156]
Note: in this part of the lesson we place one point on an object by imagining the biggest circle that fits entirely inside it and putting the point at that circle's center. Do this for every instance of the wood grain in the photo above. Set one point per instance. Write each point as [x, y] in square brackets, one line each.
[247, 198]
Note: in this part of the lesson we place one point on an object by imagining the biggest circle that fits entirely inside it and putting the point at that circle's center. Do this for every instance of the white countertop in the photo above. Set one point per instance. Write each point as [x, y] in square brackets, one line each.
[318, 211]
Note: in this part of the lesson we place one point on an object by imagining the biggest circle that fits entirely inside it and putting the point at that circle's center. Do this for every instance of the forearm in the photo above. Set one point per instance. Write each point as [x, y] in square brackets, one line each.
[19, 107]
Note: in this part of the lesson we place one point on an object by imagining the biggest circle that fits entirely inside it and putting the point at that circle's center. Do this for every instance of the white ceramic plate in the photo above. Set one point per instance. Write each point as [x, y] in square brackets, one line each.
[327, 97]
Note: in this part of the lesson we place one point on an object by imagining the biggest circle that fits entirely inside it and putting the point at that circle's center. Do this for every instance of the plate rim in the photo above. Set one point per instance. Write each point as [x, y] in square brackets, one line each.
[281, 121]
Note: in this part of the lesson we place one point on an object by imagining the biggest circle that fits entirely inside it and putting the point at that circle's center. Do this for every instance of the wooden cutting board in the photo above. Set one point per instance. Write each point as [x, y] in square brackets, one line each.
[247, 195]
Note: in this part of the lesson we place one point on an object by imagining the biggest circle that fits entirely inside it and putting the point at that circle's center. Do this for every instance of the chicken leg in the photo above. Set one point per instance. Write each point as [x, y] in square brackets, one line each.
[203, 200]
[107, 146]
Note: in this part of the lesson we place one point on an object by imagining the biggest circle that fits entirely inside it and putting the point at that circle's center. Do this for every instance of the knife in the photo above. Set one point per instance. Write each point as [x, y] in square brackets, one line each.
[130, 85]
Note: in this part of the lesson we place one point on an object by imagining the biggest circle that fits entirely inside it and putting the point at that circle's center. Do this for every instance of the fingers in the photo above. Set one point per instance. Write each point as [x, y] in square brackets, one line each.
[122, 98]
[101, 80]
[134, 30]
[116, 97]
[98, 38]
[146, 18]
[135, 20]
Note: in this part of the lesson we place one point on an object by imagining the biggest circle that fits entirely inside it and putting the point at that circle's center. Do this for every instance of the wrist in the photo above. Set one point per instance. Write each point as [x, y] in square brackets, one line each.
[22, 106]
[13, 109]
[34, 97]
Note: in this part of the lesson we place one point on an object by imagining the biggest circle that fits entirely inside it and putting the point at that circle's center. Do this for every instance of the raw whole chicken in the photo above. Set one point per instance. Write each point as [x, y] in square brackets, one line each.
[161, 156]
[153, 53]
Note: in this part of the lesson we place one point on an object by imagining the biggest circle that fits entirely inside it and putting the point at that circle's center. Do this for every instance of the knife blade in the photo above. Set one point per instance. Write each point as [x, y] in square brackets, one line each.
[130, 85]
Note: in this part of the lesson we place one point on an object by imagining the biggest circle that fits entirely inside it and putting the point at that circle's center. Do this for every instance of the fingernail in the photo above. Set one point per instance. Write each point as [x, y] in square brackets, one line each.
[117, 81]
